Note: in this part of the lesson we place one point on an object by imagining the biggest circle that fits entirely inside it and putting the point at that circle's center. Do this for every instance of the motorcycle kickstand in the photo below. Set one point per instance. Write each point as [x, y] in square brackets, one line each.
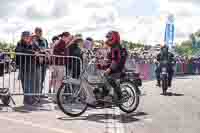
[12, 100]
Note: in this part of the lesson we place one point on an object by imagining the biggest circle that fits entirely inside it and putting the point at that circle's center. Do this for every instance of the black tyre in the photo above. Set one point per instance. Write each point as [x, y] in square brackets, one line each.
[65, 94]
[6, 100]
[127, 88]
[164, 85]
[1, 69]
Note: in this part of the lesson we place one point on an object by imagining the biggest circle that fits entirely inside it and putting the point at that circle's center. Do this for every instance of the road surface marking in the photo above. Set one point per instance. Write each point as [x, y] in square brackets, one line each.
[35, 125]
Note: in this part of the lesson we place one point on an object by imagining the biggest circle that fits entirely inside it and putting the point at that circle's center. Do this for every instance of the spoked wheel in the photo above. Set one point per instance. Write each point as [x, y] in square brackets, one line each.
[71, 100]
[130, 97]
[5, 96]
[6, 100]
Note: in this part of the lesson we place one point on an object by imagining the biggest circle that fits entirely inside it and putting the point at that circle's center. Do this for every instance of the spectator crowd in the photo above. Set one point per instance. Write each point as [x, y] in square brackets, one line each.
[35, 56]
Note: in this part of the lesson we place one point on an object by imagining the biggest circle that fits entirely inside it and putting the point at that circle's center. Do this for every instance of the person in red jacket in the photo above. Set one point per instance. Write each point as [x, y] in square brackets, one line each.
[116, 61]
[59, 60]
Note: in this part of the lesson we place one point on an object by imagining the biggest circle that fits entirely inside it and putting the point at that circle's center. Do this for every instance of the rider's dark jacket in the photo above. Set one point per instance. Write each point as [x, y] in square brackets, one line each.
[116, 59]
[169, 57]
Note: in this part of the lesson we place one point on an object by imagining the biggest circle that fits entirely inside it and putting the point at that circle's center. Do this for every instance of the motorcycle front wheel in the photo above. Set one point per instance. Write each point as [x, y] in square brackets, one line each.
[70, 100]
[164, 85]
[130, 94]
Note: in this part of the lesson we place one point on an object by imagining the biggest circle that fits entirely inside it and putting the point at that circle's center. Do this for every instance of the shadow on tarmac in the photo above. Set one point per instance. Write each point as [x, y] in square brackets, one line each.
[185, 76]
[29, 109]
[172, 94]
[103, 118]
[32, 108]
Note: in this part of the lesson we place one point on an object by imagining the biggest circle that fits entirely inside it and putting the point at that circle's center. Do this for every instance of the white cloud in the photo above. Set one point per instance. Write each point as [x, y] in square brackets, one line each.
[136, 20]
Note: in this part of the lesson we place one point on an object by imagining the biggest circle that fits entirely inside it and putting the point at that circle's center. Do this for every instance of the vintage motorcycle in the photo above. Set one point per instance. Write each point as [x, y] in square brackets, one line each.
[76, 95]
[164, 75]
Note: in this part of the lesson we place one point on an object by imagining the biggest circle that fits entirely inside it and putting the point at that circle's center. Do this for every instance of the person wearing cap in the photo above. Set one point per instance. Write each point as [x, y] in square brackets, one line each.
[59, 48]
[43, 45]
[42, 42]
[27, 67]
[59, 61]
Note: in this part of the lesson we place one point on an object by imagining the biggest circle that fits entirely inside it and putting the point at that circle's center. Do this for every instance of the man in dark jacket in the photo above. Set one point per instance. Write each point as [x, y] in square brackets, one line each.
[162, 56]
[43, 44]
[117, 58]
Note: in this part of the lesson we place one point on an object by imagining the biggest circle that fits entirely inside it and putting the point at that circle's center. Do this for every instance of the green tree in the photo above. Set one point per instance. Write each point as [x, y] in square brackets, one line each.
[7, 46]
[3, 45]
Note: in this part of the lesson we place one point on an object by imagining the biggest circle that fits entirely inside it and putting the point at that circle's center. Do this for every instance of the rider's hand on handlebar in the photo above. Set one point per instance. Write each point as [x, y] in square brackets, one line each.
[107, 72]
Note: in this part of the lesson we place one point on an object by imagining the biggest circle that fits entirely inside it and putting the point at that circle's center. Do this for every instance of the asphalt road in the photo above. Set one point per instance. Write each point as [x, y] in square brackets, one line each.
[178, 113]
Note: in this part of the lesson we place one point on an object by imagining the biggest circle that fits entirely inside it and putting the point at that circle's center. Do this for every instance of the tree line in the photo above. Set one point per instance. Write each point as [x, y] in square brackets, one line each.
[4, 46]
[189, 47]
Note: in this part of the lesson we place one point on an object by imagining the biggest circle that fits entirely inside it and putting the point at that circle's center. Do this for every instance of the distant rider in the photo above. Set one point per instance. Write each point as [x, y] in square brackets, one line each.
[162, 56]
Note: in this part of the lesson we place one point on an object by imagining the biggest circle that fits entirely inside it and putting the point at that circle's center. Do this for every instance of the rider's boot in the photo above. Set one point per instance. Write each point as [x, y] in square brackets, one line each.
[119, 99]
[169, 83]
[158, 83]
[164, 92]
[105, 91]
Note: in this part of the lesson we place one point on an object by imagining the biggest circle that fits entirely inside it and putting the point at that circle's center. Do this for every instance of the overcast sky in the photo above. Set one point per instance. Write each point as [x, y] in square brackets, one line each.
[137, 20]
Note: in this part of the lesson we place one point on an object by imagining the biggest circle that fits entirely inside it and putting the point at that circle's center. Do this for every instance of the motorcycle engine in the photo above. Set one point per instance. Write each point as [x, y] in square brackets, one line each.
[100, 92]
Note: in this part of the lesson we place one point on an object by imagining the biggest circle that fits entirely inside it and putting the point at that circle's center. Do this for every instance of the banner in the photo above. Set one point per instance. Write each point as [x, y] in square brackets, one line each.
[169, 31]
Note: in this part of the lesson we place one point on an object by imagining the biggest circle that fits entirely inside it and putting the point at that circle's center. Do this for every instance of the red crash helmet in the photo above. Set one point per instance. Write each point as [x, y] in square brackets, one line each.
[113, 37]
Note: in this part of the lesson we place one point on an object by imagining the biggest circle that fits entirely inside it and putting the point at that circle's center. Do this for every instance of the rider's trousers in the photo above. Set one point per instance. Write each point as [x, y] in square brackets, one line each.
[111, 80]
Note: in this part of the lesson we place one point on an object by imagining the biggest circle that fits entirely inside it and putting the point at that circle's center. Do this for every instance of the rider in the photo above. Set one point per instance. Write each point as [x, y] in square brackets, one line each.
[117, 58]
[165, 55]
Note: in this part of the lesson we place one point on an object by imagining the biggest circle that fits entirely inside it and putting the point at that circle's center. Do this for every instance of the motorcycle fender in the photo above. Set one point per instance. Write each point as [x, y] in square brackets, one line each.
[164, 76]
[134, 84]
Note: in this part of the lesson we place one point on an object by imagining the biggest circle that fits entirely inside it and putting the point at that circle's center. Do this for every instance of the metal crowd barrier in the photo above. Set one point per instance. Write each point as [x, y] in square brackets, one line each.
[41, 75]
[38, 75]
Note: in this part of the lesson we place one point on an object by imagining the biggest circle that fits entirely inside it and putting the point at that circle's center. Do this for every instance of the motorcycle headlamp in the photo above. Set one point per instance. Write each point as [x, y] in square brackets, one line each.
[164, 69]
